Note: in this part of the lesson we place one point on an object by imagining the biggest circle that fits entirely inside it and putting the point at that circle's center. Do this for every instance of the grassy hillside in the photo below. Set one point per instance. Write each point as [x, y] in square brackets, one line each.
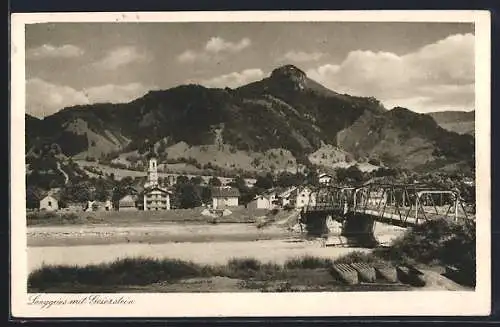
[403, 138]
[462, 122]
[281, 122]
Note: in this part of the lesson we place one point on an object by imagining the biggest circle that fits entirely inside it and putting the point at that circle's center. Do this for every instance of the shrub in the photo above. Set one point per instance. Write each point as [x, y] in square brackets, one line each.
[308, 262]
[436, 242]
[244, 264]
[358, 257]
[44, 217]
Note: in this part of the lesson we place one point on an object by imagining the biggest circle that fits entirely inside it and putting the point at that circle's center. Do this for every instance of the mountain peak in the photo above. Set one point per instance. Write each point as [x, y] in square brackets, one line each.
[290, 75]
[289, 71]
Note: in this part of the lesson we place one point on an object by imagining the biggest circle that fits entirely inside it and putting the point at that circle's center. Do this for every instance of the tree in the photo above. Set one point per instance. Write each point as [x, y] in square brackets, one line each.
[239, 183]
[312, 177]
[80, 192]
[287, 179]
[264, 181]
[196, 180]
[182, 179]
[354, 174]
[246, 194]
[102, 192]
[206, 195]
[349, 175]
[33, 195]
[187, 197]
[214, 181]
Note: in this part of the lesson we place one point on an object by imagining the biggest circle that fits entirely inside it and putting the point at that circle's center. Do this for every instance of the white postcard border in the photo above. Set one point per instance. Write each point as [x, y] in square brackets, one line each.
[261, 304]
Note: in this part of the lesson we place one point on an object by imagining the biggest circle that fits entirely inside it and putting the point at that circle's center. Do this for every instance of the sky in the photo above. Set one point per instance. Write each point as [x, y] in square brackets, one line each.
[424, 67]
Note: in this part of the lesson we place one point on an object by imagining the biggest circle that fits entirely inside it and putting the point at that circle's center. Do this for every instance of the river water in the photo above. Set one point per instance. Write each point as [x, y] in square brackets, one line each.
[204, 244]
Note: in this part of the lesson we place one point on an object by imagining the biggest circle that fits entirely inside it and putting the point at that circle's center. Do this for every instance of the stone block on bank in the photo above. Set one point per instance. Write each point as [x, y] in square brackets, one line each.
[366, 273]
[411, 276]
[346, 273]
[386, 272]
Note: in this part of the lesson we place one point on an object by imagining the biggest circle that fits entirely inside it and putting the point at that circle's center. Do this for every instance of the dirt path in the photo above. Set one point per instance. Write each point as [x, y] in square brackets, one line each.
[66, 177]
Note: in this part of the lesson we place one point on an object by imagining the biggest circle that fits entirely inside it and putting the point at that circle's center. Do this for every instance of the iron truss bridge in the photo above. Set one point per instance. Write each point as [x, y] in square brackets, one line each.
[396, 204]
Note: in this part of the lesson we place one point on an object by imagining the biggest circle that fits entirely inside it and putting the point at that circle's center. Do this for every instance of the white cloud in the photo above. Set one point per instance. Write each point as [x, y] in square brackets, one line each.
[235, 79]
[116, 93]
[44, 98]
[301, 56]
[49, 51]
[214, 47]
[189, 56]
[121, 56]
[217, 44]
[436, 76]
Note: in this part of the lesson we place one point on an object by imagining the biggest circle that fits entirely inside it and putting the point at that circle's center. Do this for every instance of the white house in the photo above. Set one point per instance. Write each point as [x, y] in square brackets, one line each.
[267, 200]
[156, 198]
[99, 206]
[304, 196]
[287, 196]
[225, 197]
[325, 179]
[49, 203]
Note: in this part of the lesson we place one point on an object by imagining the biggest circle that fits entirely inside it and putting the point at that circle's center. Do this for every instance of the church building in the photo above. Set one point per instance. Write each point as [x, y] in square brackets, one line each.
[156, 197]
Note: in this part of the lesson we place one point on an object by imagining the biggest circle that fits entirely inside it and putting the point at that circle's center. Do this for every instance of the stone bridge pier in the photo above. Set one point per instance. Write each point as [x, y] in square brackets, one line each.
[357, 228]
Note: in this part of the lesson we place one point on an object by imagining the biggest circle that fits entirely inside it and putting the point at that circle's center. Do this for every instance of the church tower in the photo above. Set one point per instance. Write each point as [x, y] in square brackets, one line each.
[153, 172]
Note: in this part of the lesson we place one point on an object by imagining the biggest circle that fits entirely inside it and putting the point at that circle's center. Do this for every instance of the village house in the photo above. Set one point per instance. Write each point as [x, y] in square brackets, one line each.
[98, 206]
[156, 198]
[225, 196]
[469, 181]
[304, 196]
[267, 200]
[286, 197]
[325, 179]
[50, 202]
[250, 182]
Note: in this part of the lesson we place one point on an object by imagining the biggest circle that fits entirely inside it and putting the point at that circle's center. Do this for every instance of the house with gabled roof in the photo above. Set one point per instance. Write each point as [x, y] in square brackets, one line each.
[266, 200]
[50, 202]
[304, 196]
[156, 198]
[225, 196]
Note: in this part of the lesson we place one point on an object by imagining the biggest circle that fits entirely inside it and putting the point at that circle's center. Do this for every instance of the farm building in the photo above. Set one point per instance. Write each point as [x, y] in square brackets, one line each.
[225, 197]
[128, 203]
[50, 202]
